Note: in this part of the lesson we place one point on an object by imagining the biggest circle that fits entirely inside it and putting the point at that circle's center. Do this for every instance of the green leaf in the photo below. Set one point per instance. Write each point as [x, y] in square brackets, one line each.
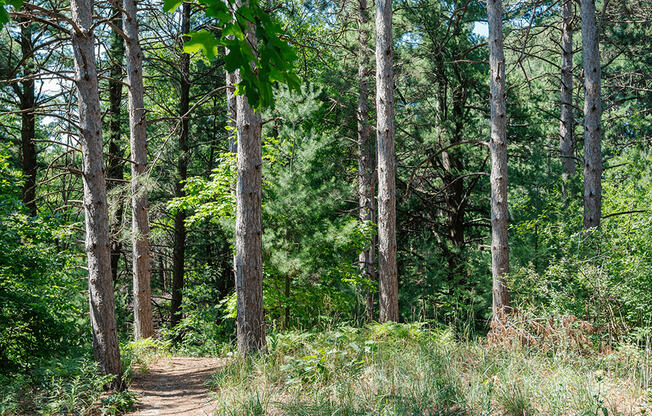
[234, 59]
[4, 16]
[276, 76]
[171, 5]
[273, 62]
[246, 13]
[203, 41]
[233, 30]
[217, 9]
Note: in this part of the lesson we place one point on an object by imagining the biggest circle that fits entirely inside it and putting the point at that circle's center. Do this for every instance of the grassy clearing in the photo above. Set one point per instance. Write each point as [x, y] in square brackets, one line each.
[397, 369]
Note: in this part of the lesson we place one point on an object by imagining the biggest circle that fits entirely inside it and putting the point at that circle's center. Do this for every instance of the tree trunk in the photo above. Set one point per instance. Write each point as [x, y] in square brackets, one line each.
[387, 273]
[116, 163]
[592, 115]
[248, 246]
[143, 321]
[28, 128]
[100, 287]
[179, 250]
[248, 227]
[567, 144]
[498, 150]
[366, 169]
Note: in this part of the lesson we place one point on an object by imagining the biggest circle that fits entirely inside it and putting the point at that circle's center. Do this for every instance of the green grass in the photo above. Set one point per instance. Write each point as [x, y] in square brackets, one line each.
[72, 385]
[389, 369]
[395, 369]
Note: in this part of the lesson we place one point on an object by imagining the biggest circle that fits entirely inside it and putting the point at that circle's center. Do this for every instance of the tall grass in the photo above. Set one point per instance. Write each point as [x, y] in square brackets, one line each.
[73, 385]
[395, 369]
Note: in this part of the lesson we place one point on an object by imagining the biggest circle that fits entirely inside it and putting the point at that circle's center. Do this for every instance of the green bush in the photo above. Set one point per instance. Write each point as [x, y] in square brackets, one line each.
[601, 276]
[62, 386]
[41, 284]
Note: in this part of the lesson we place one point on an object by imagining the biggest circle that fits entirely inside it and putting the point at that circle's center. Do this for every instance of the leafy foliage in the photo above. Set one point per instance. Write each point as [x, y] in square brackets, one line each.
[39, 285]
[254, 47]
[64, 386]
[311, 232]
[4, 14]
[210, 200]
[604, 276]
[310, 252]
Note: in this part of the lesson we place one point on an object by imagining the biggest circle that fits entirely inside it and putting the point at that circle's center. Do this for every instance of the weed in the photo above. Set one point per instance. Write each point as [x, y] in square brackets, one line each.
[395, 369]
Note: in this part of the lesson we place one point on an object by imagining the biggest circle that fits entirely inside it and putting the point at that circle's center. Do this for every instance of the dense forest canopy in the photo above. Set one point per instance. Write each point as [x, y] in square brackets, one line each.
[218, 175]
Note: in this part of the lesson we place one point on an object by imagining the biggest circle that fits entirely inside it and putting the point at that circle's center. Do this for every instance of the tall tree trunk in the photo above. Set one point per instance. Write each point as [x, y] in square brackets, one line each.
[498, 150]
[100, 287]
[248, 227]
[179, 250]
[592, 115]
[366, 169]
[387, 273]
[143, 320]
[248, 246]
[28, 128]
[567, 144]
[115, 172]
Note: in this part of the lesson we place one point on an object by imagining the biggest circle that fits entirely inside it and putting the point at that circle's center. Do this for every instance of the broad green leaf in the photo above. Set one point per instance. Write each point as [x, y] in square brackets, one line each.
[171, 5]
[276, 76]
[246, 13]
[273, 59]
[203, 41]
[233, 30]
[4, 16]
[217, 9]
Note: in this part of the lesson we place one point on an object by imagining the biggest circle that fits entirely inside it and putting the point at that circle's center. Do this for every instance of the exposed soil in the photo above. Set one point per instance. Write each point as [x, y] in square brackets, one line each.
[175, 386]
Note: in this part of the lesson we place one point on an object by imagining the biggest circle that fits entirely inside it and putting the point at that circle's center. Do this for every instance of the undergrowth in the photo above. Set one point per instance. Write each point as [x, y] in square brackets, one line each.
[73, 386]
[395, 369]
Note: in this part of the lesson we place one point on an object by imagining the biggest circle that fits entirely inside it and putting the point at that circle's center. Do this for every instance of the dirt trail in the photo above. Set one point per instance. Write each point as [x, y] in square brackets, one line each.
[175, 386]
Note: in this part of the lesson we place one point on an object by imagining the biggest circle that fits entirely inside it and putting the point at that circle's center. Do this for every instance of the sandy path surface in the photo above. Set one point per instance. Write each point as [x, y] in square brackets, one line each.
[175, 386]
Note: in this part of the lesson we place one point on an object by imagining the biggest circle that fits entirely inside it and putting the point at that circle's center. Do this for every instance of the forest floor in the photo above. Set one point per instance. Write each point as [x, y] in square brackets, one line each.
[407, 369]
[174, 386]
[380, 369]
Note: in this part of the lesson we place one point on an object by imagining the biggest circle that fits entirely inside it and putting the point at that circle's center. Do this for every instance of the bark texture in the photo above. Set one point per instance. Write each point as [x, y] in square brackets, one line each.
[248, 228]
[248, 246]
[366, 168]
[143, 322]
[179, 250]
[498, 150]
[28, 126]
[592, 116]
[115, 171]
[387, 273]
[100, 288]
[567, 144]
